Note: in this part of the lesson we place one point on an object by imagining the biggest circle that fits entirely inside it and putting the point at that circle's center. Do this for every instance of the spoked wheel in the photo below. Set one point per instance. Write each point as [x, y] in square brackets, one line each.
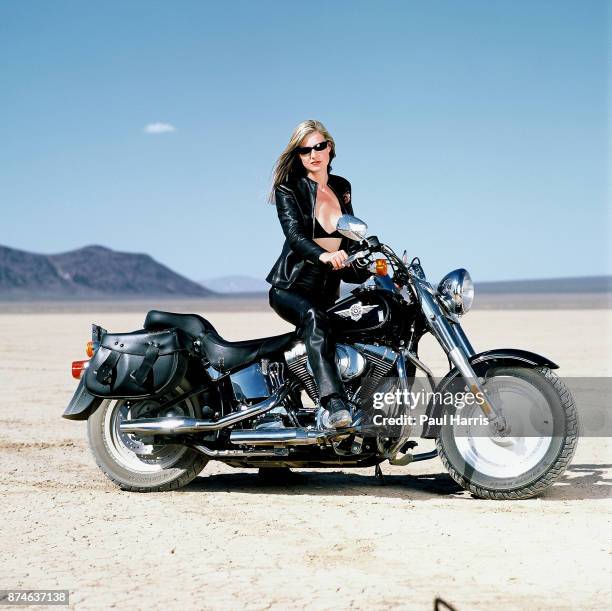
[543, 434]
[131, 463]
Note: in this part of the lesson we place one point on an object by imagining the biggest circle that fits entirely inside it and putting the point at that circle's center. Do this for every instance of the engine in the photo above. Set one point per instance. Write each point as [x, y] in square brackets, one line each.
[361, 367]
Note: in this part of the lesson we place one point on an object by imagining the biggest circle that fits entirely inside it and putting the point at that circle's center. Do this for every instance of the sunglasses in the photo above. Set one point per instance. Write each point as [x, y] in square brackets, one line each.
[305, 150]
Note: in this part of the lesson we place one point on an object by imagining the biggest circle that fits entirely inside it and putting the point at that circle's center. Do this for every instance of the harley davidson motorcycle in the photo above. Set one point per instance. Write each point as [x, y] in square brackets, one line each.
[162, 401]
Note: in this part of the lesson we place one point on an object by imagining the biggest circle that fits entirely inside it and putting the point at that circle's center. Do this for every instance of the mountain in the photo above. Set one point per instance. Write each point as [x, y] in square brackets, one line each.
[89, 272]
[586, 284]
[97, 272]
[236, 284]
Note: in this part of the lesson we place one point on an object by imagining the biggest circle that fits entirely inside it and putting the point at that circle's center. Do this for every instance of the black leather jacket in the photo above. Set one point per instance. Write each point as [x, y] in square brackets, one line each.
[295, 205]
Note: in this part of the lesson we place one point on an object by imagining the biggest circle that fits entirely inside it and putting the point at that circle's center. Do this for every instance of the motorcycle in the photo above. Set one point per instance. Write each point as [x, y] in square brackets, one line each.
[162, 401]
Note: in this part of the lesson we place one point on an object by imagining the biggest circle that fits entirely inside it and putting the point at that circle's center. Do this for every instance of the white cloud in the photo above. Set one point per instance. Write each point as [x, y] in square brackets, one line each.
[159, 128]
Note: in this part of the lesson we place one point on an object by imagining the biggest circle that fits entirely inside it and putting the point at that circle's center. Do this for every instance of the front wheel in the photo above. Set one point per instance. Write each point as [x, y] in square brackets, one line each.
[543, 436]
[136, 466]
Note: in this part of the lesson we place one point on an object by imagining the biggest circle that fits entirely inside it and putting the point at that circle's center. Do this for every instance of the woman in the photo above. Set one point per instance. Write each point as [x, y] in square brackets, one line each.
[306, 277]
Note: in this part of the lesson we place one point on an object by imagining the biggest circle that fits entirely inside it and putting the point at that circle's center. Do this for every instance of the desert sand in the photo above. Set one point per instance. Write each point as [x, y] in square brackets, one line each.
[322, 539]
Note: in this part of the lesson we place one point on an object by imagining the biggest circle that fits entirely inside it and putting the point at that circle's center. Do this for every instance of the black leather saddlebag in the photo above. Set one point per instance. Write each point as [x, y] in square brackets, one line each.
[137, 364]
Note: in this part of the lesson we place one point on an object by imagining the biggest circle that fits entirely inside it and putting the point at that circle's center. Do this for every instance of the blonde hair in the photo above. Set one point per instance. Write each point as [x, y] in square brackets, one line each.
[288, 165]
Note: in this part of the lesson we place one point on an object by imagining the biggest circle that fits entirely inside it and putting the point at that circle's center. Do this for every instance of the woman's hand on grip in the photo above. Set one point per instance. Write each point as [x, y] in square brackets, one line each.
[336, 259]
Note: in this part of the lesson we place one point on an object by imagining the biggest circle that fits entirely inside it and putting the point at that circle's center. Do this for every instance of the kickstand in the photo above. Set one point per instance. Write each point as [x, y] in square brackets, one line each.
[378, 474]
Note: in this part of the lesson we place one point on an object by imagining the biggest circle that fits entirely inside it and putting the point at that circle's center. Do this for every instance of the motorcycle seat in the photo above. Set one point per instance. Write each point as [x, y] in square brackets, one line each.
[192, 324]
[222, 354]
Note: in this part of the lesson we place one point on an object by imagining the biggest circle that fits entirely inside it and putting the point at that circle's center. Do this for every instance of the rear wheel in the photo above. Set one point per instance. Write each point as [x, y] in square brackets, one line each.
[542, 440]
[136, 466]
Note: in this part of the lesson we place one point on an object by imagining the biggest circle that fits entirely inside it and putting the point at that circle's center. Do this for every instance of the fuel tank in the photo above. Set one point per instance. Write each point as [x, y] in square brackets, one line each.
[370, 313]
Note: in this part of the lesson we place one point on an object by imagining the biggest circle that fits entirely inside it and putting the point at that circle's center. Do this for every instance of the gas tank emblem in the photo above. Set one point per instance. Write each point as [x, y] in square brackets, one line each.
[356, 311]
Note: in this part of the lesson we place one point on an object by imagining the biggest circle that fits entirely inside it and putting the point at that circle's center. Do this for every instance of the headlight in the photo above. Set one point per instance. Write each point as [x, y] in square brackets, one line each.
[456, 291]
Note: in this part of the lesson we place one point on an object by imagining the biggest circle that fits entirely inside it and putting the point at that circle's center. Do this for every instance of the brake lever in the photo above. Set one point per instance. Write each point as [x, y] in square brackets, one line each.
[354, 257]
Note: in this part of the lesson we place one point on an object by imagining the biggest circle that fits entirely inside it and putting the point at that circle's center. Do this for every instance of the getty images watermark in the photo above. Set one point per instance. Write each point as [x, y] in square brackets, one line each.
[412, 400]
[533, 407]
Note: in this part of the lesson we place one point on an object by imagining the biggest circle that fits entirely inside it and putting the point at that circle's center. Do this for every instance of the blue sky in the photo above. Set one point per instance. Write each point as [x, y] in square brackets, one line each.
[475, 134]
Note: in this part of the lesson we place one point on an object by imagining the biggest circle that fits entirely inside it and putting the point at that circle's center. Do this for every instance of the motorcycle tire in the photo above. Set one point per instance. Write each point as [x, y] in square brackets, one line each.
[511, 468]
[128, 462]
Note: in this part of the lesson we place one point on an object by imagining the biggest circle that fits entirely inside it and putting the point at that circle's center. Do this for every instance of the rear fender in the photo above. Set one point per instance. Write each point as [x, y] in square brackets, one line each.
[82, 404]
[481, 363]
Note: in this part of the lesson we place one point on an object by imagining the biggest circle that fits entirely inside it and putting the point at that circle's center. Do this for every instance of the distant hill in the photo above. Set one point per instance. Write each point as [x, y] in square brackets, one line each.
[586, 284]
[99, 273]
[91, 272]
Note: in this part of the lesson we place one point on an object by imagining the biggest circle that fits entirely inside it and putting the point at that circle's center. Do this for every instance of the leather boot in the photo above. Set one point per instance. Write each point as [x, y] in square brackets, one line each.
[339, 412]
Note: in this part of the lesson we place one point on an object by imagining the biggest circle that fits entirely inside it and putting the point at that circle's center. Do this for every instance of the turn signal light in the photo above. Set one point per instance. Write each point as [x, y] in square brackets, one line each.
[78, 367]
[89, 349]
[381, 267]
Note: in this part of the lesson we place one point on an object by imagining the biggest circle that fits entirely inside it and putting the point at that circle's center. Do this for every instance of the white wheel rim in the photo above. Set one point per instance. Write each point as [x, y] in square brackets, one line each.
[530, 417]
[131, 453]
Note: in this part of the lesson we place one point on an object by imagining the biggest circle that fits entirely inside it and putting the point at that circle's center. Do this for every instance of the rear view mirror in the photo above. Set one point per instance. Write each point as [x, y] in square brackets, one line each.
[351, 227]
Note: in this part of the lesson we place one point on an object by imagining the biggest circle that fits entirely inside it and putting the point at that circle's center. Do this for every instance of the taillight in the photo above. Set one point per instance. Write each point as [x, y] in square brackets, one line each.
[78, 367]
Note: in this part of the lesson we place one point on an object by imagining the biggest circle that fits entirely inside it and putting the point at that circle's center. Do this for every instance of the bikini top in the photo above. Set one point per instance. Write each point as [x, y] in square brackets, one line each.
[319, 232]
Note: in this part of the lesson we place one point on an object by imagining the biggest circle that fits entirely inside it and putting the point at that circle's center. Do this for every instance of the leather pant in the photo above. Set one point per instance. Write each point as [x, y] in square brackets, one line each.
[304, 305]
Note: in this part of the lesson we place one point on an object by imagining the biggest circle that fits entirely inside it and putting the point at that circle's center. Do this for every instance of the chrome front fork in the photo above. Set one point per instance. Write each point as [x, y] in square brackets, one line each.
[402, 375]
[455, 343]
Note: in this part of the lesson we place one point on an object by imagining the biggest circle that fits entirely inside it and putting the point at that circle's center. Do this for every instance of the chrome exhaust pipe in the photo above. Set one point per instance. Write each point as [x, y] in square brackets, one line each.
[282, 437]
[177, 426]
[275, 453]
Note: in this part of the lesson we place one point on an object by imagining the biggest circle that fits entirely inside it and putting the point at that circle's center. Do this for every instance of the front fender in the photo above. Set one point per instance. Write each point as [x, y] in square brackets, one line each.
[481, 362]
[82, 404]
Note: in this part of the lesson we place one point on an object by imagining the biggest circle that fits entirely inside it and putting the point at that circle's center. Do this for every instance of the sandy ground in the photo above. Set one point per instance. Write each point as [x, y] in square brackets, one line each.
[326, 539]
